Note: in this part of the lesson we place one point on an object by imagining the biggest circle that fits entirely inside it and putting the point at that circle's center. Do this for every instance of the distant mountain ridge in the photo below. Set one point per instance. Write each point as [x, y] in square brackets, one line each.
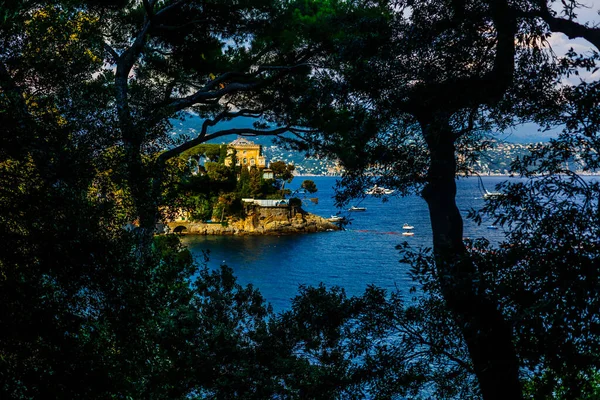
[493, 161]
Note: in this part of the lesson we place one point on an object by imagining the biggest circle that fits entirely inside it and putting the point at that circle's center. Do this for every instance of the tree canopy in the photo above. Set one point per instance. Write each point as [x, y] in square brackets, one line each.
[94, 305]
[411, 111]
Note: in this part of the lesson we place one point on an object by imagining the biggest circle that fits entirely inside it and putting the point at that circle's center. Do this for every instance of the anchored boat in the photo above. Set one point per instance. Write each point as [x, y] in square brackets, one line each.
[376, 190]
[354, 208]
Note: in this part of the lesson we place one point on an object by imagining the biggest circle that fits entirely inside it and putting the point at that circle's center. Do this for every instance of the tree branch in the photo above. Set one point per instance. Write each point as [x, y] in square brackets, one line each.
[176, 27]
[283, 67]
[169, 90]
[125, 64]
[470, 124]
[111, 51]
[169, 8]
[223, 115]
[573, 29]
[568, 27]
[174, 152]
[455, 94]
[207, 93]
[149, 8]
[202, 96]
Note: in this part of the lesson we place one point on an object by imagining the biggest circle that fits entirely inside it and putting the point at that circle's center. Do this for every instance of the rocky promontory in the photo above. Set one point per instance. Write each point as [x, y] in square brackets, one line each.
[259, 221]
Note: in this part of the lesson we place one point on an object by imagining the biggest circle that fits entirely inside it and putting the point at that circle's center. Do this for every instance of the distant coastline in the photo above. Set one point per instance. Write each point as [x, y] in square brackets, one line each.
[463, 175]
[494, 161]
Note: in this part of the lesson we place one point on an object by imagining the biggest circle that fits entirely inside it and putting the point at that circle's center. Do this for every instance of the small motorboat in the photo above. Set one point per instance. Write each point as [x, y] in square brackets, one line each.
[407, 227]
[408, 234]
[336, 218]
[354, 208]
[492, 227]
[378, 191]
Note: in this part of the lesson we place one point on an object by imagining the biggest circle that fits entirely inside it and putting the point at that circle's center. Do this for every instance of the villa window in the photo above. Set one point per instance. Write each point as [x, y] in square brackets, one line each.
[252, 162]
[245, 161]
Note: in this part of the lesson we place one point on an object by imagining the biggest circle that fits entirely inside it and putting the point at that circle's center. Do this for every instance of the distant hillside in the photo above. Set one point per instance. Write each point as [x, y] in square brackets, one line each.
[497, 160]
[526, 133]
[193, 124]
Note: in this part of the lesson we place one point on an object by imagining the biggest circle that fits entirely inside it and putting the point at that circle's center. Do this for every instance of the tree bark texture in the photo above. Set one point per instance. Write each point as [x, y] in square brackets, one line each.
[139, 176]
[487, 334]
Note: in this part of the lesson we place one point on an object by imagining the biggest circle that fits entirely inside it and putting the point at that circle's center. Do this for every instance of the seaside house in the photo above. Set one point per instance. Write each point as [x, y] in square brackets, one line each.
[247, 153]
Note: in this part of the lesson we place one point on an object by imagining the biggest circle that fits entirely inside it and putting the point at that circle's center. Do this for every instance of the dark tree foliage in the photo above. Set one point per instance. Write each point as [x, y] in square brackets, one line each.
[546, 273]
[121, 71]
[435, 77]
[309, 185]
[89, 308]
[378, 346]
[419, 94]
[282, 171]
[93, 306]
[544, 276]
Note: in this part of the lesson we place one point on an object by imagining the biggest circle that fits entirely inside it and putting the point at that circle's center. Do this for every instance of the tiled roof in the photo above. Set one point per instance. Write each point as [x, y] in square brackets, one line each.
[240, 141]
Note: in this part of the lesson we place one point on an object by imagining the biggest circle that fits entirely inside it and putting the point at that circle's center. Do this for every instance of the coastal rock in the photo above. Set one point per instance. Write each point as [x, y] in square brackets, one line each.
[259, 221]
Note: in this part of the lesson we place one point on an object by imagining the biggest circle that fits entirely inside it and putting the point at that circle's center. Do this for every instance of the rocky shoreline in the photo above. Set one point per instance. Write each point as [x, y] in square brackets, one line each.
[259, 221]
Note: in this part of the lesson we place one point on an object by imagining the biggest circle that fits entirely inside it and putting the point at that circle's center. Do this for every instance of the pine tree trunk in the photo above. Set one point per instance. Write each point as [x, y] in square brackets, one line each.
[139, 176]
[487, 334]
[144, 189]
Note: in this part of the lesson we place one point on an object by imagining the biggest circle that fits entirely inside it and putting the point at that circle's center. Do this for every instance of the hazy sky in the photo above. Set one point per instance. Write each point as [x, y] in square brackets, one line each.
[560, 45]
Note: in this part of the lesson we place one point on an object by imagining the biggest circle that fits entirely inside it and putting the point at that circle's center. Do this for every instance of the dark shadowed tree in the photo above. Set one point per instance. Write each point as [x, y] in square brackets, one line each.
[447, 72]
[283, 173]
[545, 274]
[449, 62]
[87, 93]
[83, 314]
[309, 185]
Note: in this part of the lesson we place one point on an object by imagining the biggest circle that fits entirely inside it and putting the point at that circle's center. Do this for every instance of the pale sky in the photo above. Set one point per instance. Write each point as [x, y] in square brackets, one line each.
[560, 45]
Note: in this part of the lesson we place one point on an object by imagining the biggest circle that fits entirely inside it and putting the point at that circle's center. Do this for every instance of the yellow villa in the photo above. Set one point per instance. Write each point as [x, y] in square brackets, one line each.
[247, 153]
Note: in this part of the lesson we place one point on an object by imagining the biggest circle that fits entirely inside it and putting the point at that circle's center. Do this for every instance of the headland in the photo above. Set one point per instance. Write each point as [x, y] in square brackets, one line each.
[258, 220]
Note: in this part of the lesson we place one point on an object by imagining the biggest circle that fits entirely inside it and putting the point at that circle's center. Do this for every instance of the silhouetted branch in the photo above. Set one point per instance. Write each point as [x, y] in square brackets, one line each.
[202, 138]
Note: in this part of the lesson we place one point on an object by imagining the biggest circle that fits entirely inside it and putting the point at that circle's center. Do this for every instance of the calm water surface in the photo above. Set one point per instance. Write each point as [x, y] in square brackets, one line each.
[363, 254]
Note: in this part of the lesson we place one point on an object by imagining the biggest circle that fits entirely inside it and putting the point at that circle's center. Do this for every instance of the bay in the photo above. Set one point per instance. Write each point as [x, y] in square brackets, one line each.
[363, 254]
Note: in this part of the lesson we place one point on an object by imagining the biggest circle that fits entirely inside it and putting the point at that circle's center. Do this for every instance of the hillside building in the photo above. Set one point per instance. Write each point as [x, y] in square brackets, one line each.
[247, 153]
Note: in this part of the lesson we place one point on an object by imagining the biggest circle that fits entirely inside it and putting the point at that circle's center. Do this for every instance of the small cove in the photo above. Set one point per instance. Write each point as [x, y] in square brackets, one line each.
[363, 254]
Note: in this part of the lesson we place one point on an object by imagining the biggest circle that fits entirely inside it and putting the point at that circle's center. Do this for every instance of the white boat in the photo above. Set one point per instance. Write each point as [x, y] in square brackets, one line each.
[407, 226]
[408, 234]
[335, 218]
[492, 227]
[354, 208]
[378, 191]
[492, 195]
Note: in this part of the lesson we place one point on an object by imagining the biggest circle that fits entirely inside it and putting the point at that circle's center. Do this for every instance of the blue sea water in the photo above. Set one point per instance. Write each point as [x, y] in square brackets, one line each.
[363, 254]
